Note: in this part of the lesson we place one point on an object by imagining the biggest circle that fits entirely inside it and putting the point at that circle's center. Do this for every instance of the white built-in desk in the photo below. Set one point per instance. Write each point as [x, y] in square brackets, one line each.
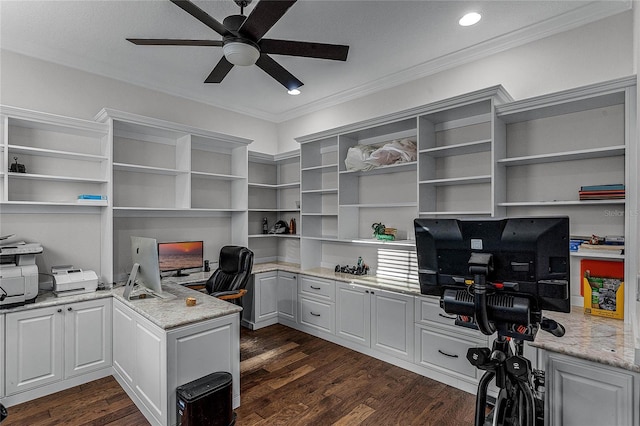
[151, 346]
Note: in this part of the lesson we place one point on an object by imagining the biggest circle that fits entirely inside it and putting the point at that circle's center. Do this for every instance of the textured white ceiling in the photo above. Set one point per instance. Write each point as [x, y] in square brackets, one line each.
[391, 42]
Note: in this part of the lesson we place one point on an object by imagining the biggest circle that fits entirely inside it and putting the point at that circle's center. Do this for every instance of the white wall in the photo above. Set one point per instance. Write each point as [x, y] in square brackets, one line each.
[595, 52]
[43, 86]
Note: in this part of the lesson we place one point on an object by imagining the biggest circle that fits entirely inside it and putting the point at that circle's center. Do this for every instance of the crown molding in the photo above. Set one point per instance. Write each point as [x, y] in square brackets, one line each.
[584, 15]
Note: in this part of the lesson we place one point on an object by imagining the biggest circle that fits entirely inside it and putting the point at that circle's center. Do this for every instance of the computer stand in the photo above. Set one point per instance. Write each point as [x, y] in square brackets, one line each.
[134, 292]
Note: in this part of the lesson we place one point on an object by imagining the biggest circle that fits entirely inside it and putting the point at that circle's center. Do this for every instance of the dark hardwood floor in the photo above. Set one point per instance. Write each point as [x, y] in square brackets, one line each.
[287, 378]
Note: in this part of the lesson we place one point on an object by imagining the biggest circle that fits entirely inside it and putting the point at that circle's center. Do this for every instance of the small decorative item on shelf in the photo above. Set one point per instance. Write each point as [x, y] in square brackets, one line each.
[17, 168]
[360, 269]
[381, 232]
[280, 227]
[265, 225]
[292, 226]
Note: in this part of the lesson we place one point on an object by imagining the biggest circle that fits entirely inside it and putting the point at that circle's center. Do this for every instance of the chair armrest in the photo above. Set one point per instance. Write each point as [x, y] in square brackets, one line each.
[227, 295]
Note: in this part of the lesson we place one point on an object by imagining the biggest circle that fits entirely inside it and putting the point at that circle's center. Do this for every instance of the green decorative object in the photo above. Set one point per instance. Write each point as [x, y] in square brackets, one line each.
[383, 233]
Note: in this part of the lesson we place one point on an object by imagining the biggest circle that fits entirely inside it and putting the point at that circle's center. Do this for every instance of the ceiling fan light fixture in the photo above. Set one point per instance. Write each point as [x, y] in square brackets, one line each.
[469, 19]
[239, 53]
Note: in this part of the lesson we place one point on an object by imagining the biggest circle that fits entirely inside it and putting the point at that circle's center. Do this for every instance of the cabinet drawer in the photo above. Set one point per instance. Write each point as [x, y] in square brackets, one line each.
[428, 310]
[442, 349]
[317, 314]
[317, 287]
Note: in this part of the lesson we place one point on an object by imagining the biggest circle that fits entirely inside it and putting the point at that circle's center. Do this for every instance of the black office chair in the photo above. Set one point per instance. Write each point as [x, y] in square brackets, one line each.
[228, 282]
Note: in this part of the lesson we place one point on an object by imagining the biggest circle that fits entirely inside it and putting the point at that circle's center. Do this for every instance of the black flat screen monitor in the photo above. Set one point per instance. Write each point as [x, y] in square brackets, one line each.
[530, 252]
[180, 256]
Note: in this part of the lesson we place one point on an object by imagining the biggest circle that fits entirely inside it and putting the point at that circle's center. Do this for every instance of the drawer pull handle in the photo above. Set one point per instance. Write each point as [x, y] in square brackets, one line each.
[315, 288]
[314, 314]
[446, 354]
[446, 316]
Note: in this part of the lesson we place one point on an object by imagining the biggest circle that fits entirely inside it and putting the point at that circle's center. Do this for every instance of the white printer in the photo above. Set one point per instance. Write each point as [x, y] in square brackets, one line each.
[18, 273]
[68, 280]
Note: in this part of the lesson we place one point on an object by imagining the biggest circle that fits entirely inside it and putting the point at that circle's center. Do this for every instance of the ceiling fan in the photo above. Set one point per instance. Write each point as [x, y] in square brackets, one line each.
[242, 41]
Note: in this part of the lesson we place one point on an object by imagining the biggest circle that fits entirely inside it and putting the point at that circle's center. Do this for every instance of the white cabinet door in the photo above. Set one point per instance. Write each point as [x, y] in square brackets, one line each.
[196, 350]
[584, 393]
[124, 351]
[87, 336]
[392, 323]
[150, 368]
[287, 296]
[34, 348]
[266, 297]
[353, 313]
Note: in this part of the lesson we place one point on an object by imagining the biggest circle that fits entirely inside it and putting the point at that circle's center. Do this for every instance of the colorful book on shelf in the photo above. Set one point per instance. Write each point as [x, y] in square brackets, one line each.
[602, 195]
[612, 187]
[92, 197]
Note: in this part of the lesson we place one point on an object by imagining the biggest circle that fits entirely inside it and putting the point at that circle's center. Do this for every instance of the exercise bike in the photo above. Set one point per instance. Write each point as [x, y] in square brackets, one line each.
[497, 275]
[520, 400]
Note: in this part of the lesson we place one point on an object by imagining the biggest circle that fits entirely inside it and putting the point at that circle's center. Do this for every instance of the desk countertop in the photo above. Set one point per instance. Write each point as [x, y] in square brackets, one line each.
[603, 340]
[173, 312]
[165, 313]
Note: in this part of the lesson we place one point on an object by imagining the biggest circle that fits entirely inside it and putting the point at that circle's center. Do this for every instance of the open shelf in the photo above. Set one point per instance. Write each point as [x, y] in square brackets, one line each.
[18, 149]
[216, 176]
[392, 168]
[458, 149]
[584, 154]
[53, 178]
[560, 203]
[457, 181]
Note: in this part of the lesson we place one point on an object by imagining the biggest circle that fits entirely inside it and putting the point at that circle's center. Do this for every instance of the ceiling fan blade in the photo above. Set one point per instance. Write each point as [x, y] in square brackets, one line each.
[305, 49]
[275, 70]
[264, 15]
[220, 71]
[201, 16]
[173, 42]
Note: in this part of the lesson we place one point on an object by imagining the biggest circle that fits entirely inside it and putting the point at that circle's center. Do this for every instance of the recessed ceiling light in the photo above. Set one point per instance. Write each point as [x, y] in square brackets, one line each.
[470, 19]
[293, 92]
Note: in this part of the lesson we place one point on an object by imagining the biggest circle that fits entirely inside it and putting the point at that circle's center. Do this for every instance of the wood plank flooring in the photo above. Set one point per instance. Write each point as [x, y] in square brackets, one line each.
[287, 378]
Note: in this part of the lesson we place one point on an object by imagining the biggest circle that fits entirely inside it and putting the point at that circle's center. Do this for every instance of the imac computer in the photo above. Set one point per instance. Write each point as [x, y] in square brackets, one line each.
[144, 279]
[180, 257]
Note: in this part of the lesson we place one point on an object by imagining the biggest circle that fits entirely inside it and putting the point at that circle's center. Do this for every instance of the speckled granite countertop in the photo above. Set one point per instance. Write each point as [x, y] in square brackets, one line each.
[47, 298]
[173, 311]
[165, 313]
[330, 274]
[604, 340]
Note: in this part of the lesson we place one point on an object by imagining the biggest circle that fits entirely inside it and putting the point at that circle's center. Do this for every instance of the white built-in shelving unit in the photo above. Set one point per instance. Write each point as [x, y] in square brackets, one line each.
[559, 142]
[174, 182]
[274, 194]
[480, 155]
[64, 157]
[452, 176]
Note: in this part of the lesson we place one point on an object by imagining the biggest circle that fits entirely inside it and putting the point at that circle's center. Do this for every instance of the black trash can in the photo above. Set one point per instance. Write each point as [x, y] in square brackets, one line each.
[206, 401]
